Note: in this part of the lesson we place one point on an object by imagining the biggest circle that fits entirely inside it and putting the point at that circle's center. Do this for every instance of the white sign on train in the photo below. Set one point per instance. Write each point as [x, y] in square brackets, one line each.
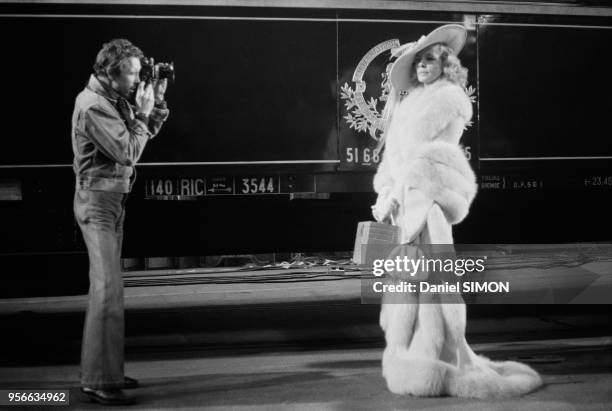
[175, 187]
[362, 156]
[198, 187]
[219, 185]
[258, 185]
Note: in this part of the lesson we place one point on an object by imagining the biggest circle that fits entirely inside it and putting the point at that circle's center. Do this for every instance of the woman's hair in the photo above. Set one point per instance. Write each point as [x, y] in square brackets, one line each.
[452, 70]
[112, 54]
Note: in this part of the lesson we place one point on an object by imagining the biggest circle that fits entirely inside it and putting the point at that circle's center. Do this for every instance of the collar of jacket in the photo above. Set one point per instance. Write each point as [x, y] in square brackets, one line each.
[101, 89]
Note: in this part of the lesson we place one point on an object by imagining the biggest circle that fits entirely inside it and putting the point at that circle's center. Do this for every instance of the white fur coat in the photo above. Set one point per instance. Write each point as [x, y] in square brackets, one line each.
[423, 163]
[425, 172]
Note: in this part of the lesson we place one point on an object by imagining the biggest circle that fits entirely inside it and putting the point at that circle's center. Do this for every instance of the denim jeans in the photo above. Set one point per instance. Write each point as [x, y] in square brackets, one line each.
[100, 216]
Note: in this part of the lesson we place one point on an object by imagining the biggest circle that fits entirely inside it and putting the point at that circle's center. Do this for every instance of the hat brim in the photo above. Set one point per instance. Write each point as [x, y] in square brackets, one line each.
[452, 35]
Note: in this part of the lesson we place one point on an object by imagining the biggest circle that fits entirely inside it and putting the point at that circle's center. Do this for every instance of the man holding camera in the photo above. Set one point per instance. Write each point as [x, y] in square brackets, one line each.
[108, 137]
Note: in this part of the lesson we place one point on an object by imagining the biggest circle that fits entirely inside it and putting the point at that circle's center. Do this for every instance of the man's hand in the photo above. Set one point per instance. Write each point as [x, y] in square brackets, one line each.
[160, 90]
[144, 99]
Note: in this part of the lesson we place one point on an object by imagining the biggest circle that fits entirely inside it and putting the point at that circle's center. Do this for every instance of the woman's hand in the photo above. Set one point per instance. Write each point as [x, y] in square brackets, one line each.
[385, 206]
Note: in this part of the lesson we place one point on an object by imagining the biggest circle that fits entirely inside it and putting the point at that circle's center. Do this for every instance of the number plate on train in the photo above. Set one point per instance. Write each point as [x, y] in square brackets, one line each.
[190, 187]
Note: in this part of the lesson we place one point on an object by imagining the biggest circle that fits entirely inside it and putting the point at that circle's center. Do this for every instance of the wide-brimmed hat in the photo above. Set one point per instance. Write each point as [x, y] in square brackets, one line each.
[452, 35]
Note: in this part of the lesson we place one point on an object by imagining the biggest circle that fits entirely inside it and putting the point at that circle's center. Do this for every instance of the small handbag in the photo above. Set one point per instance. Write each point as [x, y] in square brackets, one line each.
[374, 241]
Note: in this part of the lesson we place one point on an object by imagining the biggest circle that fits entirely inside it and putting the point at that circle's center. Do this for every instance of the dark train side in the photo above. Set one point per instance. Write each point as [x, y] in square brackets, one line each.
[269, 145]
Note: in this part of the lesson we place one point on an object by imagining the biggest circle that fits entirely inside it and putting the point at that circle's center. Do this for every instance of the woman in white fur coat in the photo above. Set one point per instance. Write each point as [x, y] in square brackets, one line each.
[425, 185]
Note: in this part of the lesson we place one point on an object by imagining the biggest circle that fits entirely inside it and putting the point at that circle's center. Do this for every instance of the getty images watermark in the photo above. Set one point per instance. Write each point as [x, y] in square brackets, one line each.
[403, 267]
[487, 274]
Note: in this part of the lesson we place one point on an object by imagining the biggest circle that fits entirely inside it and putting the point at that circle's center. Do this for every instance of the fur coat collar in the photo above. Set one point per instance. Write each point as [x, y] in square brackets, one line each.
[425, 114]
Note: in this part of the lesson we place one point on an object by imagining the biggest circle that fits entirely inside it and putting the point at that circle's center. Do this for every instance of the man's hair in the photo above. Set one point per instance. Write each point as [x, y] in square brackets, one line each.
[112, 54]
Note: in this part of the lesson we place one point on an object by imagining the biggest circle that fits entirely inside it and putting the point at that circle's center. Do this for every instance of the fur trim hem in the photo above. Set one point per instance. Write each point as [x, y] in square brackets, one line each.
[486, 379]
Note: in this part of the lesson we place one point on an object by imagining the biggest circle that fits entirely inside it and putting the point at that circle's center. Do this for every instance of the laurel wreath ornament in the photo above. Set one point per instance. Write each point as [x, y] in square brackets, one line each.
[356, 118]
[363, 115]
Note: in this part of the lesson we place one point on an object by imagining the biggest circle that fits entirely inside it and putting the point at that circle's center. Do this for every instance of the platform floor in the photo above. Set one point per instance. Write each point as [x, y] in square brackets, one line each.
[539, 274]
[277, 339]
[577, 373]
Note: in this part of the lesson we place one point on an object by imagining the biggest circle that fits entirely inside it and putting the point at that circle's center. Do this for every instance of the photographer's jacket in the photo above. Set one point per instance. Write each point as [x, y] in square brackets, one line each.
[107, 140]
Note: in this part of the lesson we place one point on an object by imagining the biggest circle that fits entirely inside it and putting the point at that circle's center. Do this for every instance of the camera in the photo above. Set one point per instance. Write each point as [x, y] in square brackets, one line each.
[150, 71]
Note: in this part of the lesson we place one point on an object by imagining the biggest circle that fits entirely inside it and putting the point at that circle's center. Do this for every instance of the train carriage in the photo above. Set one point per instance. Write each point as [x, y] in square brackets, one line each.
[274, 121]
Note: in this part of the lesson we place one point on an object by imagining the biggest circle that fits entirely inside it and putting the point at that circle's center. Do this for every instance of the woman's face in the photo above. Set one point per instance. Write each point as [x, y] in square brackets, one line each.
[428, 65]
